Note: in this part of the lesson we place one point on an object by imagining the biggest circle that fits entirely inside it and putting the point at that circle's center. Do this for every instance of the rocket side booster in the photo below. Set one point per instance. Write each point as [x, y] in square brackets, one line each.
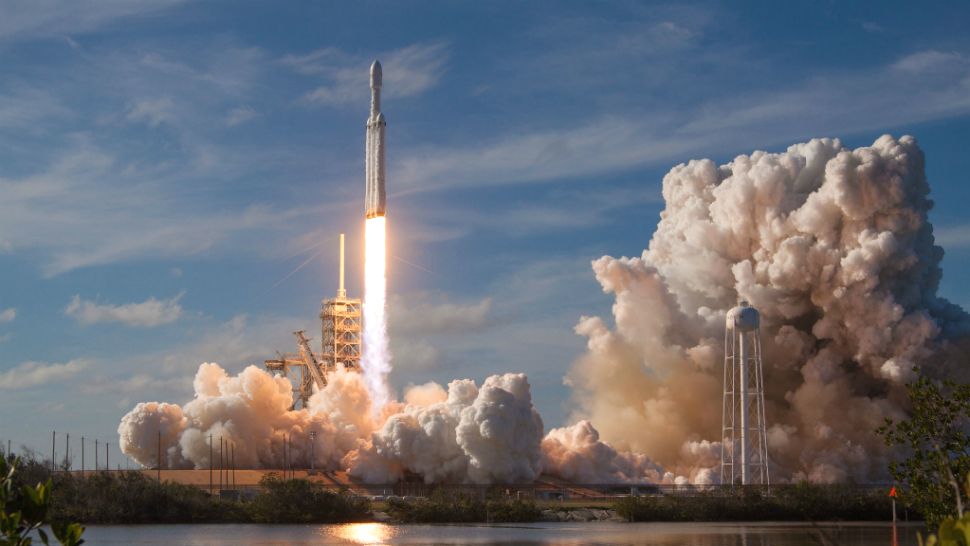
[375, 196]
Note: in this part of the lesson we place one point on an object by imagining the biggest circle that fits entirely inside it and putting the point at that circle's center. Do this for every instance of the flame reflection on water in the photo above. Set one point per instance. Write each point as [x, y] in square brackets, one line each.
[364, 533]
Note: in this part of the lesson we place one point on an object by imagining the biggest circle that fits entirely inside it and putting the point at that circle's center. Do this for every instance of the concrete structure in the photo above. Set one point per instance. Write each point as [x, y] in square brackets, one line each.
[744, 449]
[375, 197]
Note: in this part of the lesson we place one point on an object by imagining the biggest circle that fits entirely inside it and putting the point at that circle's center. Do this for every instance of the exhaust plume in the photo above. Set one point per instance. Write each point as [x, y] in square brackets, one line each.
[834, 248]
[376, 360]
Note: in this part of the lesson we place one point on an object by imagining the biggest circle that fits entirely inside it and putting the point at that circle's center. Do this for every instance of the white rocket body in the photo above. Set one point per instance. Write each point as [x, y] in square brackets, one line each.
[375, 197]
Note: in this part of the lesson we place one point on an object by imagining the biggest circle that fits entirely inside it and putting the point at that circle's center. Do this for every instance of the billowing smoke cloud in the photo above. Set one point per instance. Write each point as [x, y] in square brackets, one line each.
[833, 246]
[487, 434]
[252, 412]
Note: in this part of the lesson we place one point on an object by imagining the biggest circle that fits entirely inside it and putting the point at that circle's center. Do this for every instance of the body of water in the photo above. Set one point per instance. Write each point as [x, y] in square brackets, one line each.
[539, 534]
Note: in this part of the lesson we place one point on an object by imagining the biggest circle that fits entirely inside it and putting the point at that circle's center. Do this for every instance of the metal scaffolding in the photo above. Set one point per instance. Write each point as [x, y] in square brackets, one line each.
[341, 333]
[341, 322]
[340, 344]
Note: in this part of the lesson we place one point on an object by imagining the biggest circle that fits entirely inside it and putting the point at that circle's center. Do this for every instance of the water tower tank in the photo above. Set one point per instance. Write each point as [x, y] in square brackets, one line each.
[743, 318]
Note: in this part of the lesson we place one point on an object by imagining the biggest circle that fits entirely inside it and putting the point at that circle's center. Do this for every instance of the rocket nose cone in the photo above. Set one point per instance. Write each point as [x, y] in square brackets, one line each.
[376, 74]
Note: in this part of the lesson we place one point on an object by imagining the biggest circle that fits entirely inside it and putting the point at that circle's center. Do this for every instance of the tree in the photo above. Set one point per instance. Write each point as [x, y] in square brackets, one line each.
[25, 511]
[934, 438]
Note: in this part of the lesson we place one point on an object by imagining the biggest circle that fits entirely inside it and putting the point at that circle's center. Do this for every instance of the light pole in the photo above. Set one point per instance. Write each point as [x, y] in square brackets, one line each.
[313, 435]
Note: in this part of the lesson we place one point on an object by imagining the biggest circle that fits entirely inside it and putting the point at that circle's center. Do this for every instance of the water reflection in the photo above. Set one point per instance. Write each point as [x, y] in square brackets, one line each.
[364, 533]
[537, 534]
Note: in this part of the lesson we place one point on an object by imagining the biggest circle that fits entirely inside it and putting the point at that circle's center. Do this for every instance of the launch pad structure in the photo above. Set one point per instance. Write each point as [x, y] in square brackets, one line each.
[341, 326]
[340, 319]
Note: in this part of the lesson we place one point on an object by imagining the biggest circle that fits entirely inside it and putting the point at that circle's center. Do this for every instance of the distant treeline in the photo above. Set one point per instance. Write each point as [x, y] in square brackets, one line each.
[133, 497]
[795, 502]
[454, 507]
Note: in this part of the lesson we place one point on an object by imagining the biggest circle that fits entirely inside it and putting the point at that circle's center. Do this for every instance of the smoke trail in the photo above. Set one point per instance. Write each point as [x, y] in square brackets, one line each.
[376, 358]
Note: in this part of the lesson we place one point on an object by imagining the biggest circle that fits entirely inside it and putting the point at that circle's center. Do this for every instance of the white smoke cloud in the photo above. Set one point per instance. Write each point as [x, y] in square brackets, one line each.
[833, 246]
[465, 434]
[577, 454]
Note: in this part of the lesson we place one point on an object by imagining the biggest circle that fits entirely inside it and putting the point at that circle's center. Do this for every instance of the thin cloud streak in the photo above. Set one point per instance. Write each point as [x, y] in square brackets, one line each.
[837, 104]
[34, 374]
[147, 314]
[408, 72]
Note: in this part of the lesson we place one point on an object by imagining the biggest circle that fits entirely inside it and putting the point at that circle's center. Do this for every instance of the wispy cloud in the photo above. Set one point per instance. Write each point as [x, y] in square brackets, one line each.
[238, 116]
[8, 314]
[29, 18]
[952, 237]
[426, 328]
[408, 71]
[154, 112]
[147, 314]
[424, 314]
[23, 107]
[33, 374]
[837, 104]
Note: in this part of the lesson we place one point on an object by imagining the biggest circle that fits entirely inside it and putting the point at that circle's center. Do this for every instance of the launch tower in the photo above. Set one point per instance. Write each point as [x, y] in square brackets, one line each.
[341, 327]
[744, 449]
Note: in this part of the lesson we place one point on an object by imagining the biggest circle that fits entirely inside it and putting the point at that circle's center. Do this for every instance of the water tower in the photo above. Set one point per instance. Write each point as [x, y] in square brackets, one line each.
[744, 449]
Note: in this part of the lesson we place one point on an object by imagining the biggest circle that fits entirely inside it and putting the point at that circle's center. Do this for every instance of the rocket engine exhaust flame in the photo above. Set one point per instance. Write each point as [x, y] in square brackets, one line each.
[376, 360]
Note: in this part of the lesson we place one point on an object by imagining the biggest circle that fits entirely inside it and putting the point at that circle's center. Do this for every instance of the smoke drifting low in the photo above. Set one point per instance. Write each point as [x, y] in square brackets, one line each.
[467, 433]
[832, 245]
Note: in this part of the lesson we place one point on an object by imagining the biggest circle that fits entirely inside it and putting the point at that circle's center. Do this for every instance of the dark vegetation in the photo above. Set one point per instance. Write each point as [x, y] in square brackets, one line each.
[25, 510]
[935, 443]
[458, 507]
[133, 497]
[300, 501]
[798, 502]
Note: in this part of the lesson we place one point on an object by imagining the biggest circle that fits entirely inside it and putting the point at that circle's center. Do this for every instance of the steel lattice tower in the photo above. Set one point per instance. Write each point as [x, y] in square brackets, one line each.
[341, 323]
[744, 448]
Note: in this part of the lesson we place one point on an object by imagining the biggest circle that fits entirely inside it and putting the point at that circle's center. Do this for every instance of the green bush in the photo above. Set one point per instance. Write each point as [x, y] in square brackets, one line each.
[132, 497]
[455, 507]
[25, 510]
[301, 501]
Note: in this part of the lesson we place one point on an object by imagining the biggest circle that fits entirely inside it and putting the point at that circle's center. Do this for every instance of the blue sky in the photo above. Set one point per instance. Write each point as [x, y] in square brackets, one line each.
[166, 166]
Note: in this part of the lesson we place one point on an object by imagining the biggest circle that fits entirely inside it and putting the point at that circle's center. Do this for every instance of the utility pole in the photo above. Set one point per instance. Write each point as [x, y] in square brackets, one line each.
[82, 455]
[232, 464]
[68, 451]
[96, 448]
[210, 465]
[313, 435]
[107, 462]
[158, 456]
[53, 455]
[220, 462]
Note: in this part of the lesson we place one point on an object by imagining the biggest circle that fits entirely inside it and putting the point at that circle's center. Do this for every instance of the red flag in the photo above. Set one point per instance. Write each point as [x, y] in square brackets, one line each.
[893, 493]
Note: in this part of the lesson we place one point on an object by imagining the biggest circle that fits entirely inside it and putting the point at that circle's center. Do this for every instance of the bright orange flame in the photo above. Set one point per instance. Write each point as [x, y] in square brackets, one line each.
[376, 358]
